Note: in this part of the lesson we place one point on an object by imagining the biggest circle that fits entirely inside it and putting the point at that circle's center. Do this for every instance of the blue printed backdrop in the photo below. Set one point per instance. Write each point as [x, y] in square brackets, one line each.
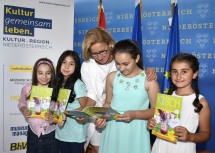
[197, 35]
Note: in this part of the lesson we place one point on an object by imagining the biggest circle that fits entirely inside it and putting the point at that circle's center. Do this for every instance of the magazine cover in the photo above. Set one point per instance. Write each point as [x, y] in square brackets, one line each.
[39, 101]
[95, 112]
[61, 104]
[167, 115]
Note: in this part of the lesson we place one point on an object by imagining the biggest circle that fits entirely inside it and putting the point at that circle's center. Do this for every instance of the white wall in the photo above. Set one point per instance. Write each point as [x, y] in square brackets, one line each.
[19, 52]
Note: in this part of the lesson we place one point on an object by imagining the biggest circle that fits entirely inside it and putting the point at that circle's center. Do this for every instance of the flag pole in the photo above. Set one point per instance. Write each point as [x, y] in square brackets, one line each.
[173, 3]
[99, 12]
[141, 9]
[173, 48]
[136, 31]
[173, 8]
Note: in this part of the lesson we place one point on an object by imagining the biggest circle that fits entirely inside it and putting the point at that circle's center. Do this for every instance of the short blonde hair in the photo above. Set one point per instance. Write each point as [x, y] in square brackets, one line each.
[93, 36]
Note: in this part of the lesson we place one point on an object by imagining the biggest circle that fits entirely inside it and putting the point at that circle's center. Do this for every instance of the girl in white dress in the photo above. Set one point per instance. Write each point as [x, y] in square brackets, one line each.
[195, 108]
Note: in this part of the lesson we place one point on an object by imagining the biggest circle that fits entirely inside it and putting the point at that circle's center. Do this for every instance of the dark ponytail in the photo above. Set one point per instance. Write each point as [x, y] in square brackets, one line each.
[196, 103]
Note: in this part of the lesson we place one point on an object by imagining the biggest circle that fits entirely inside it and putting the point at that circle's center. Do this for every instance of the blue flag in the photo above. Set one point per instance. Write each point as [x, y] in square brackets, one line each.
[173, 48]
[137, 32]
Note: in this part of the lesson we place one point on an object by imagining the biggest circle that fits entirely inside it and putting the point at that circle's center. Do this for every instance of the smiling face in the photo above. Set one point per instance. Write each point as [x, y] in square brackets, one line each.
[67, 67]
[126, 64]
[101, 53]
[182, 75]
[44, 74]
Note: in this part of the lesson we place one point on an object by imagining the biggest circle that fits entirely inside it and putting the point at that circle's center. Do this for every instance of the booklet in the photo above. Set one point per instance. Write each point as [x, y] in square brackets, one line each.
[39, 101]
[94, 113]
[61, 104]
[167, 115]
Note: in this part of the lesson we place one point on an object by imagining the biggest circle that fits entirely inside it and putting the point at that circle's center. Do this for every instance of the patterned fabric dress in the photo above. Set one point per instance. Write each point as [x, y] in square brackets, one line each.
[122, 137]
[190, 120]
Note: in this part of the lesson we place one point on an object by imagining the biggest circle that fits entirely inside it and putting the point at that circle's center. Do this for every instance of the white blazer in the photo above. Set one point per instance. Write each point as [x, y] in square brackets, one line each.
[94, 81]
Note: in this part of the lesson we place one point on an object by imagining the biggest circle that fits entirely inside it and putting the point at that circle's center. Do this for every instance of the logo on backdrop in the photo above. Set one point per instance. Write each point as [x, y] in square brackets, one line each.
[202, 40]
[21, 68]
[151, 54]
[20, 81]
[109, 17]
[152, 27]
[202, 10]
[203, 70]
[19, 130]
[18, 146]
[21, 21]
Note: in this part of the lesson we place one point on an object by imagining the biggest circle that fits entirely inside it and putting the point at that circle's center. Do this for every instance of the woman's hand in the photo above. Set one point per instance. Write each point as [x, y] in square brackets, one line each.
[126, 117]
[182, 133]
[151, 74]
[100, 123]
[25, 111]
[151, 123]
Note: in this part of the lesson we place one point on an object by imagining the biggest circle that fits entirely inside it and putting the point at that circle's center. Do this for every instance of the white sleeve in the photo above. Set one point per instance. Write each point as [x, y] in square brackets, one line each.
[86, 76]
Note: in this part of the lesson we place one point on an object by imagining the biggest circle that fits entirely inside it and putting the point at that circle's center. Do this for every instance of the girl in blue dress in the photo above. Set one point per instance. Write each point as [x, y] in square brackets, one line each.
[71, 134]
[129, 93]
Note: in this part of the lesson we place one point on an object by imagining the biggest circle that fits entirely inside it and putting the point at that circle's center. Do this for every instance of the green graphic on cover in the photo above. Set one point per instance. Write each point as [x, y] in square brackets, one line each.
[167, 115]
[39, 101]
[61, 104]
[93, 112]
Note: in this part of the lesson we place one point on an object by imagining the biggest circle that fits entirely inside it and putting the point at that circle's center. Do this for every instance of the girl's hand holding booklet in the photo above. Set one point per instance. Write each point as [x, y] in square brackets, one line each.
[94, 113]
[39, 101]
[167, 115]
